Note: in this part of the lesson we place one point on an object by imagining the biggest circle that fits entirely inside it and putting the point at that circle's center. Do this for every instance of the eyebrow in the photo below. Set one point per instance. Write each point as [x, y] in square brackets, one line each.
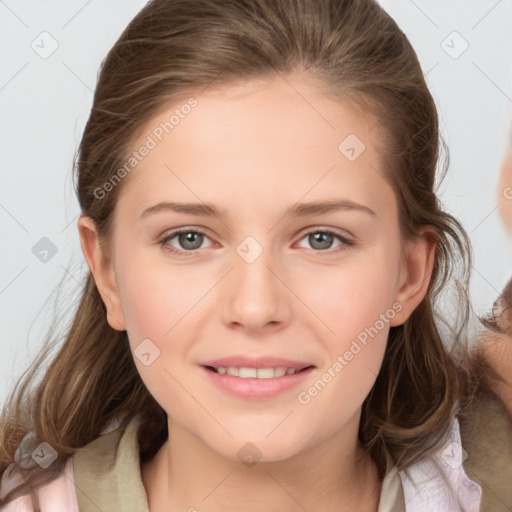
[296, 210]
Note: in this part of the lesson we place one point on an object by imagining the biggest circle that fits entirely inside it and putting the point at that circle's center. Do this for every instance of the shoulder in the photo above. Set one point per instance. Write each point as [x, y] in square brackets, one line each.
[439, 481]
[502, 308]
[107, 472]
[486, 434]
[56, 496]
[60, 494]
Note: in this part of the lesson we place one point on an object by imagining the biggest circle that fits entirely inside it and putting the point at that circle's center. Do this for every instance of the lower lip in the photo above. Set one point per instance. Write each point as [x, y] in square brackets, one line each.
[256, 388]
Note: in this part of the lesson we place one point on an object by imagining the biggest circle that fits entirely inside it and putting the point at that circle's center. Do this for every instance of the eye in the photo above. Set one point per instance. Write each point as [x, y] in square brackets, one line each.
[189, 239]
[322, 239]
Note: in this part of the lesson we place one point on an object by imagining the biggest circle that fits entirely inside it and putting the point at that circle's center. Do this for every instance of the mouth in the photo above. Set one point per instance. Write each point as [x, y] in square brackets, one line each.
[256, 373]
[256, 383]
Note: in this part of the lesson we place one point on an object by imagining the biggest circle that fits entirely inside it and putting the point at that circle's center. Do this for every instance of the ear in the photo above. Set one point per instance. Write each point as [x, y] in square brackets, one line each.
[102, 270]
[415, 273]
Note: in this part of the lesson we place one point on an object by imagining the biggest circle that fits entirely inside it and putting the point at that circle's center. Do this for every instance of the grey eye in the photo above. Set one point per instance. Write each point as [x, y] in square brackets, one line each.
[320, 240]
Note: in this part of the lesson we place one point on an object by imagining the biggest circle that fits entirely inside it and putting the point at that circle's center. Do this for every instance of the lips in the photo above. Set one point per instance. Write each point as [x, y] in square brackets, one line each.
[255, 373]
[256, 377]
[243, 361]
[268, 383]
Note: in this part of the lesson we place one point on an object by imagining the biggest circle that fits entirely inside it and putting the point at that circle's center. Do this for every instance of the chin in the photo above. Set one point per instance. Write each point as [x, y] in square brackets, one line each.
[258, 449]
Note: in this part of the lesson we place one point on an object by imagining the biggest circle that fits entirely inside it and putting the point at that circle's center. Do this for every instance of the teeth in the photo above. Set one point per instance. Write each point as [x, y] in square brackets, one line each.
[256, 373]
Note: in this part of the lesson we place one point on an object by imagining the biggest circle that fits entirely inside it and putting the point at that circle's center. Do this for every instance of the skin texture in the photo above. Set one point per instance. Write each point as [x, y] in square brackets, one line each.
[255, 149]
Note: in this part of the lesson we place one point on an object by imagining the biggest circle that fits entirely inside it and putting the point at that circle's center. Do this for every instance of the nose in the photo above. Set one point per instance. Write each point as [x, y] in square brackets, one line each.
[255, 295]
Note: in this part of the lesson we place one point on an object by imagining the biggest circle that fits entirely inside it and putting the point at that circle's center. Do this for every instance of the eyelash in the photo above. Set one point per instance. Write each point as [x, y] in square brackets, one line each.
[164, 242]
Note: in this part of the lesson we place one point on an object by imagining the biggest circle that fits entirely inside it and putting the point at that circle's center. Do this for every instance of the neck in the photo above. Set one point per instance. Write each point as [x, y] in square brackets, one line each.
[186, 474]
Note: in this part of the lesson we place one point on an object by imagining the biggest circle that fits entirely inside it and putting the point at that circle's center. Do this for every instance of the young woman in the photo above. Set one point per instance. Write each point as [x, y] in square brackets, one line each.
[258, 329]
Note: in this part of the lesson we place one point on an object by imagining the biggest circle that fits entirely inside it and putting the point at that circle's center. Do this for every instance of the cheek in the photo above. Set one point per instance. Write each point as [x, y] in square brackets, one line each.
[352, 298]
[355, 304]
[158, 296]
[158, 304]
[355, 356]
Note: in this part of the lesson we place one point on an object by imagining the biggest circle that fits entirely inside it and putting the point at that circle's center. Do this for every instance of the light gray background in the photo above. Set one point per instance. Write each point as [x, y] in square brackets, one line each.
[45, 102]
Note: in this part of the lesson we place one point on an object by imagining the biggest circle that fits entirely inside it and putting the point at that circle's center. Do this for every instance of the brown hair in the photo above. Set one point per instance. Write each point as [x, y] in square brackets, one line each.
[174, 47]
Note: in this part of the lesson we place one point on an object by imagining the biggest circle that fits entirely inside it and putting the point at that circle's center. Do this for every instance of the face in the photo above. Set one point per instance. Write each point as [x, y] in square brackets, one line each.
[315, 286]
[505, 191]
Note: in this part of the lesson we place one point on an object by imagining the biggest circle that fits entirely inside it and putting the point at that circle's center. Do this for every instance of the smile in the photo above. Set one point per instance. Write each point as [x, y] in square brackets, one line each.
[256, 383]
[256, 373]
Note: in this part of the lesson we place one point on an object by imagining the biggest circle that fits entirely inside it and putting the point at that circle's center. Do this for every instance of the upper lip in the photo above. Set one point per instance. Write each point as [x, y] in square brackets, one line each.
[255, 362]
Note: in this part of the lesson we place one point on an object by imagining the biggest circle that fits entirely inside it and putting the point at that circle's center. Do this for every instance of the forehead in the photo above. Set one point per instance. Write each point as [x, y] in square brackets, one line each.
[277, 138]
